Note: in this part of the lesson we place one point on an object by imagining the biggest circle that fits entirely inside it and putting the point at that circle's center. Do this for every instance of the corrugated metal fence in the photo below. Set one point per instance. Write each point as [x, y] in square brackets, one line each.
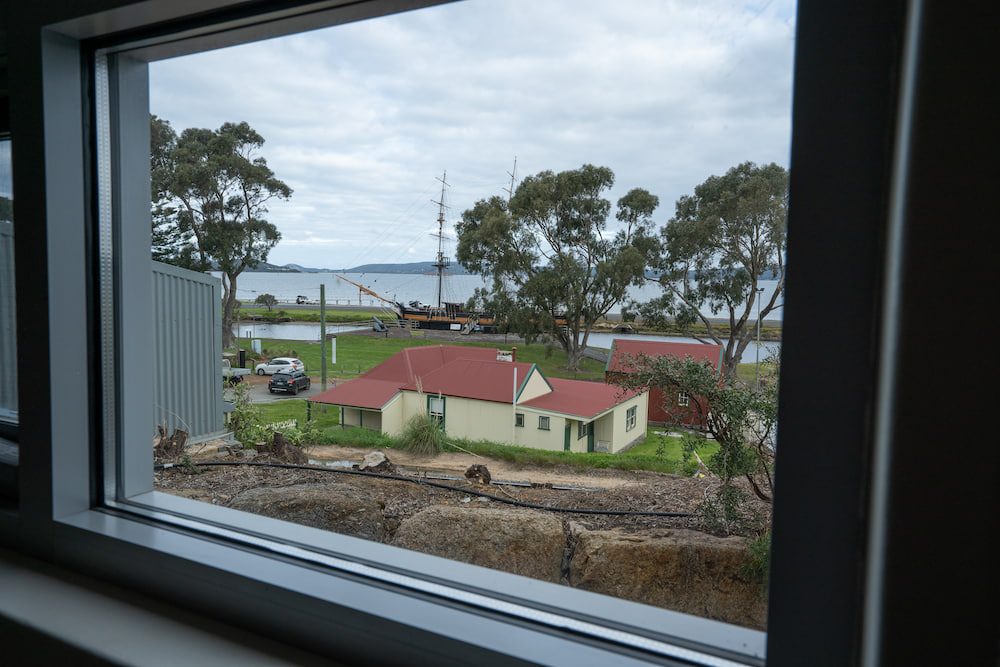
[8, 341]
[187, 342]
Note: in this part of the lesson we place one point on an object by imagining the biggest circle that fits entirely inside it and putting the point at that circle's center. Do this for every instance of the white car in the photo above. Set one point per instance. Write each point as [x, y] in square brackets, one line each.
[280, 365]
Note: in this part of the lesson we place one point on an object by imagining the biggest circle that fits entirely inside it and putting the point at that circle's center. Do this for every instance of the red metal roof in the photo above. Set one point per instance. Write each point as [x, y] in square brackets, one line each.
[360, 393]
[413, 362]
[468, 372]
[622, 350]
[580, 398]
[485, 380]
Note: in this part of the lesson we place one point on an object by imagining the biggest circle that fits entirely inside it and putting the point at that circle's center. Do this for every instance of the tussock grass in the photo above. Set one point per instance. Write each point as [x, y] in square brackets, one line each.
[422, 435]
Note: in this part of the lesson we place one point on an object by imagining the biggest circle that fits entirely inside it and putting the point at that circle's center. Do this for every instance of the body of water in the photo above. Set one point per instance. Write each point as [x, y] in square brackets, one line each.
[402, 287]
[309, 331]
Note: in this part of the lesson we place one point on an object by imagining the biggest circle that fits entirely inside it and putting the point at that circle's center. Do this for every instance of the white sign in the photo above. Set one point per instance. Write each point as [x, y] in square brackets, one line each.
[505, 355]
[333, 349]
[256, 345]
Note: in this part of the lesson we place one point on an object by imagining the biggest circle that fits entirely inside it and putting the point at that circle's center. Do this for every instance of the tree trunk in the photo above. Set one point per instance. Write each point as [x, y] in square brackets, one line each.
[729, 366]
[228, 309]
[573, 356]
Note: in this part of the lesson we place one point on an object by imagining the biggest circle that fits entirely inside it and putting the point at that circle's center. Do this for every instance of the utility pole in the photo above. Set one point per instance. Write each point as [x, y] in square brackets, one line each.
[513, 179]
[322, 335]
[441, 261]
[756, 369]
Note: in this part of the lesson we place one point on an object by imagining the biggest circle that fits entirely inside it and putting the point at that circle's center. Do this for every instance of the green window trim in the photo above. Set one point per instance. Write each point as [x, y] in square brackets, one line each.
[543, 420]
[519, 419]
[444, 404]
[583, 429]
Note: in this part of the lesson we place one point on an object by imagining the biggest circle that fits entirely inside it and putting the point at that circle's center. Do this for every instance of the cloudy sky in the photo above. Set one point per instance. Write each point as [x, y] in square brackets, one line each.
[361, 119]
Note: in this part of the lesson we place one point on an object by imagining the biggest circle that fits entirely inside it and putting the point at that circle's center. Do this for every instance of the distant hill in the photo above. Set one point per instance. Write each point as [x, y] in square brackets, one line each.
[298, 268]
[263, 267]
[412, 267]
[418, 268]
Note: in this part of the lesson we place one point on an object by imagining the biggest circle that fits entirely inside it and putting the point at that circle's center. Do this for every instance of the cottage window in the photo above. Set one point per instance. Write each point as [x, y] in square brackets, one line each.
[582, 429]
[435, 409]
[630, 418]
[683, 399]
[543, 423]
[518, 419]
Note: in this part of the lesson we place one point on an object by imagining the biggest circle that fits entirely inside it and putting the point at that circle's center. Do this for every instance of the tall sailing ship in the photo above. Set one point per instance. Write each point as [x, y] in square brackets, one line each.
[446, 315]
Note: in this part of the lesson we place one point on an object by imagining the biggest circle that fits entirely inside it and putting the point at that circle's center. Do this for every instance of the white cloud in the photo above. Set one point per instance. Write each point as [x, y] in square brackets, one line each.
[361, 118]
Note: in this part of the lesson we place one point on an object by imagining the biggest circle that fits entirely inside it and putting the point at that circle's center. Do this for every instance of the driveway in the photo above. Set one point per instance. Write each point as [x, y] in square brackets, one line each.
[260, 394]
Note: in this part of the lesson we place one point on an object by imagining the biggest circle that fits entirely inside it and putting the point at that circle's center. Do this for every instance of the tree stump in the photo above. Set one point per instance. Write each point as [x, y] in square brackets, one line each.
[285, 451]
[477, 472]
[169, 447]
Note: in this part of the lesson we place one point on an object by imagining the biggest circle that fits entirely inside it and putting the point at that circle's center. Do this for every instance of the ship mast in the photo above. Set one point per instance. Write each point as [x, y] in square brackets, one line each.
[442, 261]
[513, 180]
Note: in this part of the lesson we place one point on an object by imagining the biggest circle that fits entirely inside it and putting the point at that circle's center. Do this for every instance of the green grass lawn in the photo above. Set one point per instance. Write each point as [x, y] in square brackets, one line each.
[641, 457]
[357, 354]
[671, 445]
[312, 314]
[295, 408]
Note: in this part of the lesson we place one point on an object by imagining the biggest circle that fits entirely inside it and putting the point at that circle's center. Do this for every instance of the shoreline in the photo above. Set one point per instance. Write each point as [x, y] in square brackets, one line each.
[770, 329]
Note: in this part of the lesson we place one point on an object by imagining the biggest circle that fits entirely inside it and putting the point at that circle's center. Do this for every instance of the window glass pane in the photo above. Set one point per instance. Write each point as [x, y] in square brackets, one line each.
[8, 323]
[376, 231]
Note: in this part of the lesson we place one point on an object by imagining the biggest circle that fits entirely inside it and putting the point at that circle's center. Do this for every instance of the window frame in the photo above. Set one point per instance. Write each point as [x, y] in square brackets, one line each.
[631, 418]
[60, 515]
[437, 417]
[683, 400]
[519, 419]
[548, 423]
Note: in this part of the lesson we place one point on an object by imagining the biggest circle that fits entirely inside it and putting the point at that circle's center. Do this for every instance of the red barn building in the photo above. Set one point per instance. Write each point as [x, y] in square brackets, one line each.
[673, 406]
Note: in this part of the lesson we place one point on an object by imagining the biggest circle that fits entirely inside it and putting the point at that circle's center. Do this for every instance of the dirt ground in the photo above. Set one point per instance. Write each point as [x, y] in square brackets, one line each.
[597, 489]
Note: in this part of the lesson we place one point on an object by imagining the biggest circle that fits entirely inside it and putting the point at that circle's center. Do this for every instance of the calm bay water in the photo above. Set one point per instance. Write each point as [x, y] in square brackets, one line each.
[310, 331]
[400, 287]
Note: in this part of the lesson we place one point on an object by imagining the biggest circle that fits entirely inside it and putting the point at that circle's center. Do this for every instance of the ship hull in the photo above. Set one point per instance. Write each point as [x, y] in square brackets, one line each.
[447, 319]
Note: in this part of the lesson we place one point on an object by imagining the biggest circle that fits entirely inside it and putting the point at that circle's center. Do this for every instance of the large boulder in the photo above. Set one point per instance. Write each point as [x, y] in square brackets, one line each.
[523, 542]
[334, 506]
[684, 570]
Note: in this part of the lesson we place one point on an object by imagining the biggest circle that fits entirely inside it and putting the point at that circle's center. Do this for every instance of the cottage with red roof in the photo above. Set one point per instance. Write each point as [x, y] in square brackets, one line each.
[477, 396]
[671, 405]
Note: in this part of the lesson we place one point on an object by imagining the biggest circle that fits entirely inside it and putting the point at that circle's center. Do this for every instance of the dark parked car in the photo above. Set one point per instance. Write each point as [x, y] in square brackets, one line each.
[291, 382]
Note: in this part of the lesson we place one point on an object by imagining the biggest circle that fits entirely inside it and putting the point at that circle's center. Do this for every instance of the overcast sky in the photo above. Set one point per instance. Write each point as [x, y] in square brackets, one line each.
[360, 119]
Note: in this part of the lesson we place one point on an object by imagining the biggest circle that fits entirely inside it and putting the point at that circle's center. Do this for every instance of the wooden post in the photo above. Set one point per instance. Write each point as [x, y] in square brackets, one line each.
[322, 335]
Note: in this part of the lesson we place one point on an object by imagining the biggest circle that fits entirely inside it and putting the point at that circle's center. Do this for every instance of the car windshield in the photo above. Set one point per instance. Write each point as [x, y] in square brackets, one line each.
[281, 376]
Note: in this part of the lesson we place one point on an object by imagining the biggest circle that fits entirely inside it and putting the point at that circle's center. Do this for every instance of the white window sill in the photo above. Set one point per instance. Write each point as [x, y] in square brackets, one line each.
[300, 577]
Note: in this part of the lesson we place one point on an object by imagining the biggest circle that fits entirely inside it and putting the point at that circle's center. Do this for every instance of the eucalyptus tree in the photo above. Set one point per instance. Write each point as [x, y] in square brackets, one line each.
[555, 266]
[214, 187]
[741, 419]
[713, 254]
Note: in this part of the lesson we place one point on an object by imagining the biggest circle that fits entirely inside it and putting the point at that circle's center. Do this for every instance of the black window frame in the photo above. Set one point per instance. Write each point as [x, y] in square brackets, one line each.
[875, 118]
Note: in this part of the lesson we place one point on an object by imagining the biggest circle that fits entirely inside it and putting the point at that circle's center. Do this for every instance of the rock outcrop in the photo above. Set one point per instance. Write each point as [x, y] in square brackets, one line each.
[341, 508]
[683, 570]
[519, 541]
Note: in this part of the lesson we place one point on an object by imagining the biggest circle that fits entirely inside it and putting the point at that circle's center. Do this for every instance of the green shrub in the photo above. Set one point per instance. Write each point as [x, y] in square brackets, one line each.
[245, 421]
[422, 435]
[759, 565]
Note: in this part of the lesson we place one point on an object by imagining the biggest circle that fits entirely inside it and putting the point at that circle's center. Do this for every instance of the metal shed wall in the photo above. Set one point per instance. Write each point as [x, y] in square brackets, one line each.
[187, 344]
[8, 340]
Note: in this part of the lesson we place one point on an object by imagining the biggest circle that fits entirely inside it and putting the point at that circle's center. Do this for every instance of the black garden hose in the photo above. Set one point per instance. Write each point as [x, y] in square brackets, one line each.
[425, 482]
